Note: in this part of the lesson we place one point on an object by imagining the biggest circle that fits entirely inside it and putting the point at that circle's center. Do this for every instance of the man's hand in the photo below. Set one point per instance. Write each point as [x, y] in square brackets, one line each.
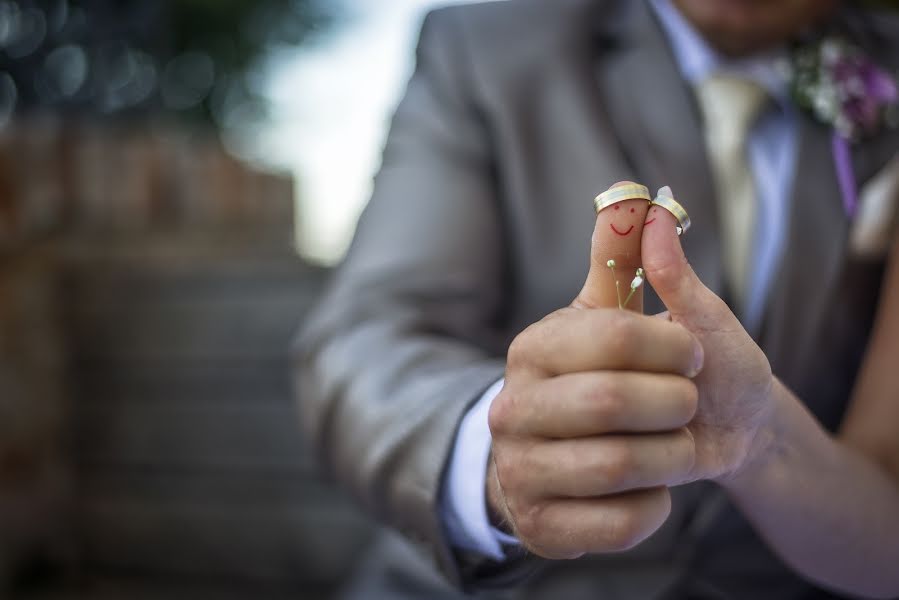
[600, 412]
[589, 429]
[735, 386]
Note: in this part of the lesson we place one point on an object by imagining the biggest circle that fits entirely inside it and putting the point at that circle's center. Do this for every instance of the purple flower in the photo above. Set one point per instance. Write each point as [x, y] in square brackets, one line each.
[866, 90]
[843, 87]
[879, 84]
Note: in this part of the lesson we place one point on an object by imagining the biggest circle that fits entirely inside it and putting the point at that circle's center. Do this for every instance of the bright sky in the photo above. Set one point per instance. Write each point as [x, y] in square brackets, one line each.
[332, 105]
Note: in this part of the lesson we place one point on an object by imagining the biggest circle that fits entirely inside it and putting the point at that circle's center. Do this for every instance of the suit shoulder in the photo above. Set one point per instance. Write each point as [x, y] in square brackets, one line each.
[501, 13]
[504, 37]
[501, 23]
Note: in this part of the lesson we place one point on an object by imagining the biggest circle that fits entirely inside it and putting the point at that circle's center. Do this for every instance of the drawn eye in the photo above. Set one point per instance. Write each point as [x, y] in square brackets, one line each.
[633, 210]
[617, 207]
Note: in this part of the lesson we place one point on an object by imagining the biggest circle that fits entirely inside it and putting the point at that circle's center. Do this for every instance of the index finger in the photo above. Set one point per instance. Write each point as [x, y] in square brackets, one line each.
[572, 341]
[615, 249]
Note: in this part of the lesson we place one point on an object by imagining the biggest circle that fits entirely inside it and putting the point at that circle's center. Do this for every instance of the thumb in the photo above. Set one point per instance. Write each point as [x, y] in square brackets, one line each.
[669, 272]
[616, 238]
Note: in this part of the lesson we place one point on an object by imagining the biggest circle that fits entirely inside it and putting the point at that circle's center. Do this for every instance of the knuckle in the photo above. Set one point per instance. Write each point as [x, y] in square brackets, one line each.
[689, 397]
[666, 272]
[526, 349]
[606, 401]
[519, 350]
[556, 315]
[623, 532]
[620, 336]
[511, 480]
[530, 468]
[501, 412]
[506, 472]
[618, 467]
[688, 444]
[516, 468]
[713, 302]
[528, 523]
[631, 524]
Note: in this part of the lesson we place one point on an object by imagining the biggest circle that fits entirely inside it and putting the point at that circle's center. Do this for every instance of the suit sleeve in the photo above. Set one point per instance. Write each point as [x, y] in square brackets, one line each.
[404, 340]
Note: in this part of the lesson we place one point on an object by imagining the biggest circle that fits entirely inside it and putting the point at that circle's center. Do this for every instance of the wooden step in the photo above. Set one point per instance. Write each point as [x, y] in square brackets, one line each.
[221, 437]
[276, 542]
[172, 382]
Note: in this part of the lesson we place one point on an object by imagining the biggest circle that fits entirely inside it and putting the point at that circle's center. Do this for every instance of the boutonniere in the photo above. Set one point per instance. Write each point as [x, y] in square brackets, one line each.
[845, 89]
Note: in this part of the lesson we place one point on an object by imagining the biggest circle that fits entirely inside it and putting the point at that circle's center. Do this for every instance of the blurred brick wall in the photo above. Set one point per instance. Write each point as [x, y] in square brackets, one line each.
[59, 176]
[148, 435]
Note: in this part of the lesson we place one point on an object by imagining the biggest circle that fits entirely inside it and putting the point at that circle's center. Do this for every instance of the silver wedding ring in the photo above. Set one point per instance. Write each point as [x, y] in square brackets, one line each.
[673, 206]
[630, 191]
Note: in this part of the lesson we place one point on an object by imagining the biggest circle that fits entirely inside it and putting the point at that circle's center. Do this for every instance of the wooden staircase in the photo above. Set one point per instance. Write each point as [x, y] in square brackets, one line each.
[149, 439]
[189, 462]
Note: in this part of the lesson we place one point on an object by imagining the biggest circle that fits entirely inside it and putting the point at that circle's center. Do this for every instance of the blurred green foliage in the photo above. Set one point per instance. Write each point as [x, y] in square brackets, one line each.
[202, 60]
[238, 35]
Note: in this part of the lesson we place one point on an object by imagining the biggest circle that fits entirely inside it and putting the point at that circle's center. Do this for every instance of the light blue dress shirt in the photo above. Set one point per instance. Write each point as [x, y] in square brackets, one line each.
[771, 151]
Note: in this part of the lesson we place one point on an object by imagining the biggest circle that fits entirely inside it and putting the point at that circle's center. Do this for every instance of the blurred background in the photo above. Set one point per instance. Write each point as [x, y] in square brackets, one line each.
[176, 180]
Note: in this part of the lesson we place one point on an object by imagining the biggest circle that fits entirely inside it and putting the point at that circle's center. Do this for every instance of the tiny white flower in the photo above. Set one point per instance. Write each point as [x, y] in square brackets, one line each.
[826, 105]
[831, 51]
[638, 280]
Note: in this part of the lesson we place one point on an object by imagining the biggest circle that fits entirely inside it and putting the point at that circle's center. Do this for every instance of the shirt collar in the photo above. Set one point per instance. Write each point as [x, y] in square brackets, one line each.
[697, 61]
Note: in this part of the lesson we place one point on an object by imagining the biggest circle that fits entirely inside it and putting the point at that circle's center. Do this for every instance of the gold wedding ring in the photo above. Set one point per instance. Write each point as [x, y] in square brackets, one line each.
[630, 191]
[673, 206]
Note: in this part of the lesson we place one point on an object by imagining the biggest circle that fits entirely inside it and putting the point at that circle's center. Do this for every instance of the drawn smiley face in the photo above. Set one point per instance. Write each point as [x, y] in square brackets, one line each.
[651, 216]
[626, 216]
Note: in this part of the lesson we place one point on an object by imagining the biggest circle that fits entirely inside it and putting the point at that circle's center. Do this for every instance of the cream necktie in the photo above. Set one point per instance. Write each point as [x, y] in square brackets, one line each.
[730, 106]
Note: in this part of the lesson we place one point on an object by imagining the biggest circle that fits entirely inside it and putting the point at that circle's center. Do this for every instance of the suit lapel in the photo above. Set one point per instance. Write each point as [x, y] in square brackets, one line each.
[813, 257]
[656, 121]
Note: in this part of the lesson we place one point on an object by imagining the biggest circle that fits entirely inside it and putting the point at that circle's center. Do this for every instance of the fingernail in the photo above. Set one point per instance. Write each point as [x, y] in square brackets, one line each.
[698, 357]
[621, 183]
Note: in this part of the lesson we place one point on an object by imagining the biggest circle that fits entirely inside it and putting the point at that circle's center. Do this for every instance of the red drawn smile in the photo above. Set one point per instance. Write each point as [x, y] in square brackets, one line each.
[612, 225]
[649, 221]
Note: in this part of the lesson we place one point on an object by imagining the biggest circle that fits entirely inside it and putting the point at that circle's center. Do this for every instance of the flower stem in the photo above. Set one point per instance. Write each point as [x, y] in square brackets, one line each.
[611, 265]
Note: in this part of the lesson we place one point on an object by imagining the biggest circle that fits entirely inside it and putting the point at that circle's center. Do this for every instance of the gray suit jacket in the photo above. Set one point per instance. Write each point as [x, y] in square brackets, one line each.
[517, 115]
